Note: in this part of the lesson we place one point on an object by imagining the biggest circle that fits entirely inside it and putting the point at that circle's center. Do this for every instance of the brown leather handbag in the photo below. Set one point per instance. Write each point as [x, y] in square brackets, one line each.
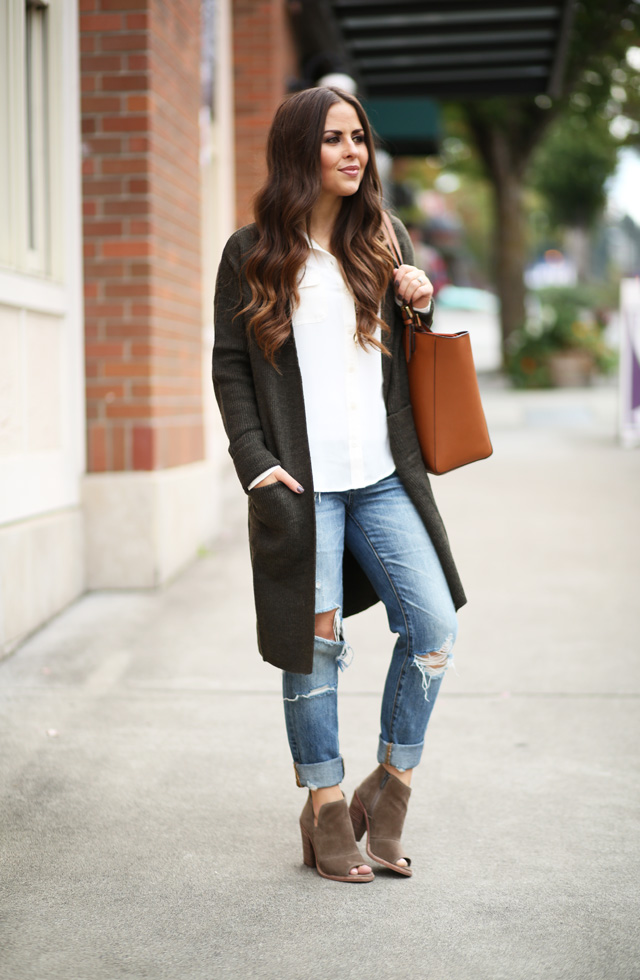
[443, 386]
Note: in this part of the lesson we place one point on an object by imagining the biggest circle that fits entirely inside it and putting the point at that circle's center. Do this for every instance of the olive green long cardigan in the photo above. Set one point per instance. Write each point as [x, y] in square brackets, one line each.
[263, 414]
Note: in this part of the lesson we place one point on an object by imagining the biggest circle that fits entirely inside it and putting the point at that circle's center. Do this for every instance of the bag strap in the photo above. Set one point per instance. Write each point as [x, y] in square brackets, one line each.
[392, 239]
[410, 318]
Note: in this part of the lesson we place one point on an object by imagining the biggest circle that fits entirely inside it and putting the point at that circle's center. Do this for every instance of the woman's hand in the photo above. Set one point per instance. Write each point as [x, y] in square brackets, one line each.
[412, 286]
[281, 476]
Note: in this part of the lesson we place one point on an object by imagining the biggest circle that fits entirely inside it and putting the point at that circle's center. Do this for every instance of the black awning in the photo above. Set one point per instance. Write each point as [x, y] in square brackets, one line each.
[446, 49]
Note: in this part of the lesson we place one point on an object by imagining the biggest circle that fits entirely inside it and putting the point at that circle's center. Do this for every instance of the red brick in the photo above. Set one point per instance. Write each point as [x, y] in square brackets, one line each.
[100, 22]
[125, 249]
[140, 228]
[143, 281]
[104, 350]
[142, 268]
[101, 63]
[100, 103]
[124, 42]
[96, 229]
[138, 186]
[124, 5]
[127, 329]
[123, 83]
[117, 435]
[126, 369]
[124, 165]
[137, 62]
[101, 269]
[94, 187]
[125, 410]
[99, 391]
[141, 309]
[105, 144]
[124, 206]
[138, 103]
[125, 124]
[152, 350]
[139, 144]
[96, 449]
[114, 310]
[137, 22]
[143, 447]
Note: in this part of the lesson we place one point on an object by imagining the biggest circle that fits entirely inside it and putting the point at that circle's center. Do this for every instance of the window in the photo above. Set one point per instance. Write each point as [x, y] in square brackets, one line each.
[36, 76]
[29, 91]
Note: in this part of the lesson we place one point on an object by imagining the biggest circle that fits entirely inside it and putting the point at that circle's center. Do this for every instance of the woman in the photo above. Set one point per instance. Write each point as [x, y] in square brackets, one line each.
[311, 380]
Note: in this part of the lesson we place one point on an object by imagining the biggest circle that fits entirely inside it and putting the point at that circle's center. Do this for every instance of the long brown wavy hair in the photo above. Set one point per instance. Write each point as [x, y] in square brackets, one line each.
[283, 209]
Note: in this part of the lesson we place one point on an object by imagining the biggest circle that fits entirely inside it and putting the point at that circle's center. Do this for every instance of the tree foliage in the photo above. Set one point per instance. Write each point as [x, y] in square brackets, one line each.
[602, 88]
[571, 168]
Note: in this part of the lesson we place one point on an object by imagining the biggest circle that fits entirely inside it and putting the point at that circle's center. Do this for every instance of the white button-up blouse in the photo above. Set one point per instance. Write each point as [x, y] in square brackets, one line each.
[342, 383]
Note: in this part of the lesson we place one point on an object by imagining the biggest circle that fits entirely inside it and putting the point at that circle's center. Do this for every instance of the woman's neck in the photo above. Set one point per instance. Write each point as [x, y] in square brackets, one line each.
[323, 218]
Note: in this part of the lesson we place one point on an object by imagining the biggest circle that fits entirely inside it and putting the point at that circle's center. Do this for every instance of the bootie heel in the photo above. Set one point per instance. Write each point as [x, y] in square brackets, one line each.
[358, 817]
[380, 805]
[308, 854]
[329, 846]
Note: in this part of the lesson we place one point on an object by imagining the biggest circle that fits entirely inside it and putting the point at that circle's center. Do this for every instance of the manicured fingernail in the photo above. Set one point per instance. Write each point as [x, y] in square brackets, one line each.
[299, 489]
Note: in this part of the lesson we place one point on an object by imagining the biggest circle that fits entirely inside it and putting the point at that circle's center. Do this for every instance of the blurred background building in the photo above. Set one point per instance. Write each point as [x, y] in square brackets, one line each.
[132, 137]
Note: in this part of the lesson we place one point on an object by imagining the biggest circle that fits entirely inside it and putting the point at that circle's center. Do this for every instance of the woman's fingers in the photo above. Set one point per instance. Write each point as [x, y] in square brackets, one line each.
[412, 286]
[281, 476]
[288, 480]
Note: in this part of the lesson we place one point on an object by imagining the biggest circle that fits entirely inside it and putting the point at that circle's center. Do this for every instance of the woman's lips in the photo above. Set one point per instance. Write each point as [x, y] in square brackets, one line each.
[350, 171]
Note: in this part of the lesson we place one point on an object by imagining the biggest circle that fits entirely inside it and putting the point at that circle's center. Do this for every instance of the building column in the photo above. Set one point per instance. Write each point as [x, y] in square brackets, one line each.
[147, 494]
[265, 62]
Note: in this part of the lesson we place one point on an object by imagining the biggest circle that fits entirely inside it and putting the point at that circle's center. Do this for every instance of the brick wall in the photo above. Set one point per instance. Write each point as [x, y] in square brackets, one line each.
[263, 62]
[141, 197]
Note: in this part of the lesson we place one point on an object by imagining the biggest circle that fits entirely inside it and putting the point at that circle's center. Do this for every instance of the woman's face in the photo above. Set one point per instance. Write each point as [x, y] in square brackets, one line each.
[344, 154]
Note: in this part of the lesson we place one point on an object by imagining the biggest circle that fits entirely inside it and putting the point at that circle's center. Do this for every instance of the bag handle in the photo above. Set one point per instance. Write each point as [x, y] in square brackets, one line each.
[392, 239]
[410, 318]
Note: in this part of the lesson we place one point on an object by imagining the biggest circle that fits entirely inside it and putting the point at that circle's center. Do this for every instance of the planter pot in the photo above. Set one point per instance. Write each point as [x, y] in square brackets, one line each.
[571, 369]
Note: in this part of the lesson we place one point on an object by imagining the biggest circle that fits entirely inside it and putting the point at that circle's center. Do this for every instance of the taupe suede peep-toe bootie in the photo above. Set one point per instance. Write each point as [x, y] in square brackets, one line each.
[379, 805]
[330, 846]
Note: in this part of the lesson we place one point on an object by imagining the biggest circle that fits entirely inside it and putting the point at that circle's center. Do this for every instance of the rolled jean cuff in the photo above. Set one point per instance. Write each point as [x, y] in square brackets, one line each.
[401, 756]
[317, 775]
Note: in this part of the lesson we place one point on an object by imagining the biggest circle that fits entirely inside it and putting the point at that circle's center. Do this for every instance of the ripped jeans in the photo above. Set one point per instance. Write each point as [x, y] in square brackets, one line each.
[381, 527]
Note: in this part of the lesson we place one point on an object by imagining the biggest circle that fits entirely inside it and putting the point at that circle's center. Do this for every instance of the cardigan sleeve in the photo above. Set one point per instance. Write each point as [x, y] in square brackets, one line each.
[233, 376]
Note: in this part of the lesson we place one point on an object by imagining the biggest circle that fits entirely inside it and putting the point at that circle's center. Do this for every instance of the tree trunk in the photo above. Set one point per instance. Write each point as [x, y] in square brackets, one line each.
[509, 235]
[506, 134]
[510, 255]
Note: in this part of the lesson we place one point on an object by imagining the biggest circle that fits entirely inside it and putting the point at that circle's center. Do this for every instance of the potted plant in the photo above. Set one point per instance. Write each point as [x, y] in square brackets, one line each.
[562, 341]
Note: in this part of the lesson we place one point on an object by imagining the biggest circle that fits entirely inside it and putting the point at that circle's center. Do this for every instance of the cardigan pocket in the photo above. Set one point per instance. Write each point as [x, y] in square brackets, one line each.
[274, 505]
[311, 306]
[276, 530]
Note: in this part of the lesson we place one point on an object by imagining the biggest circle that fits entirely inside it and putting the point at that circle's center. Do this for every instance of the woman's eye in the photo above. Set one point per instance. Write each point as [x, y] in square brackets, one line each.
[358, 139]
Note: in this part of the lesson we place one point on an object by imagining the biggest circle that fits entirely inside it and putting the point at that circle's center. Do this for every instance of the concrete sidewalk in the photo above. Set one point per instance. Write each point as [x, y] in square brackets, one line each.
[149, 814]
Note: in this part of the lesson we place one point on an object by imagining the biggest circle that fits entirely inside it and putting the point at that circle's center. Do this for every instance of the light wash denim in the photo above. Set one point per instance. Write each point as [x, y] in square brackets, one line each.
[383, 530]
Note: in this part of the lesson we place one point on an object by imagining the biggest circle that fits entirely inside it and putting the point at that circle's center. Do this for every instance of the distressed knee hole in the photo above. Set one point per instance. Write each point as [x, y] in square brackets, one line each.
[435, 664]
[329, 625]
